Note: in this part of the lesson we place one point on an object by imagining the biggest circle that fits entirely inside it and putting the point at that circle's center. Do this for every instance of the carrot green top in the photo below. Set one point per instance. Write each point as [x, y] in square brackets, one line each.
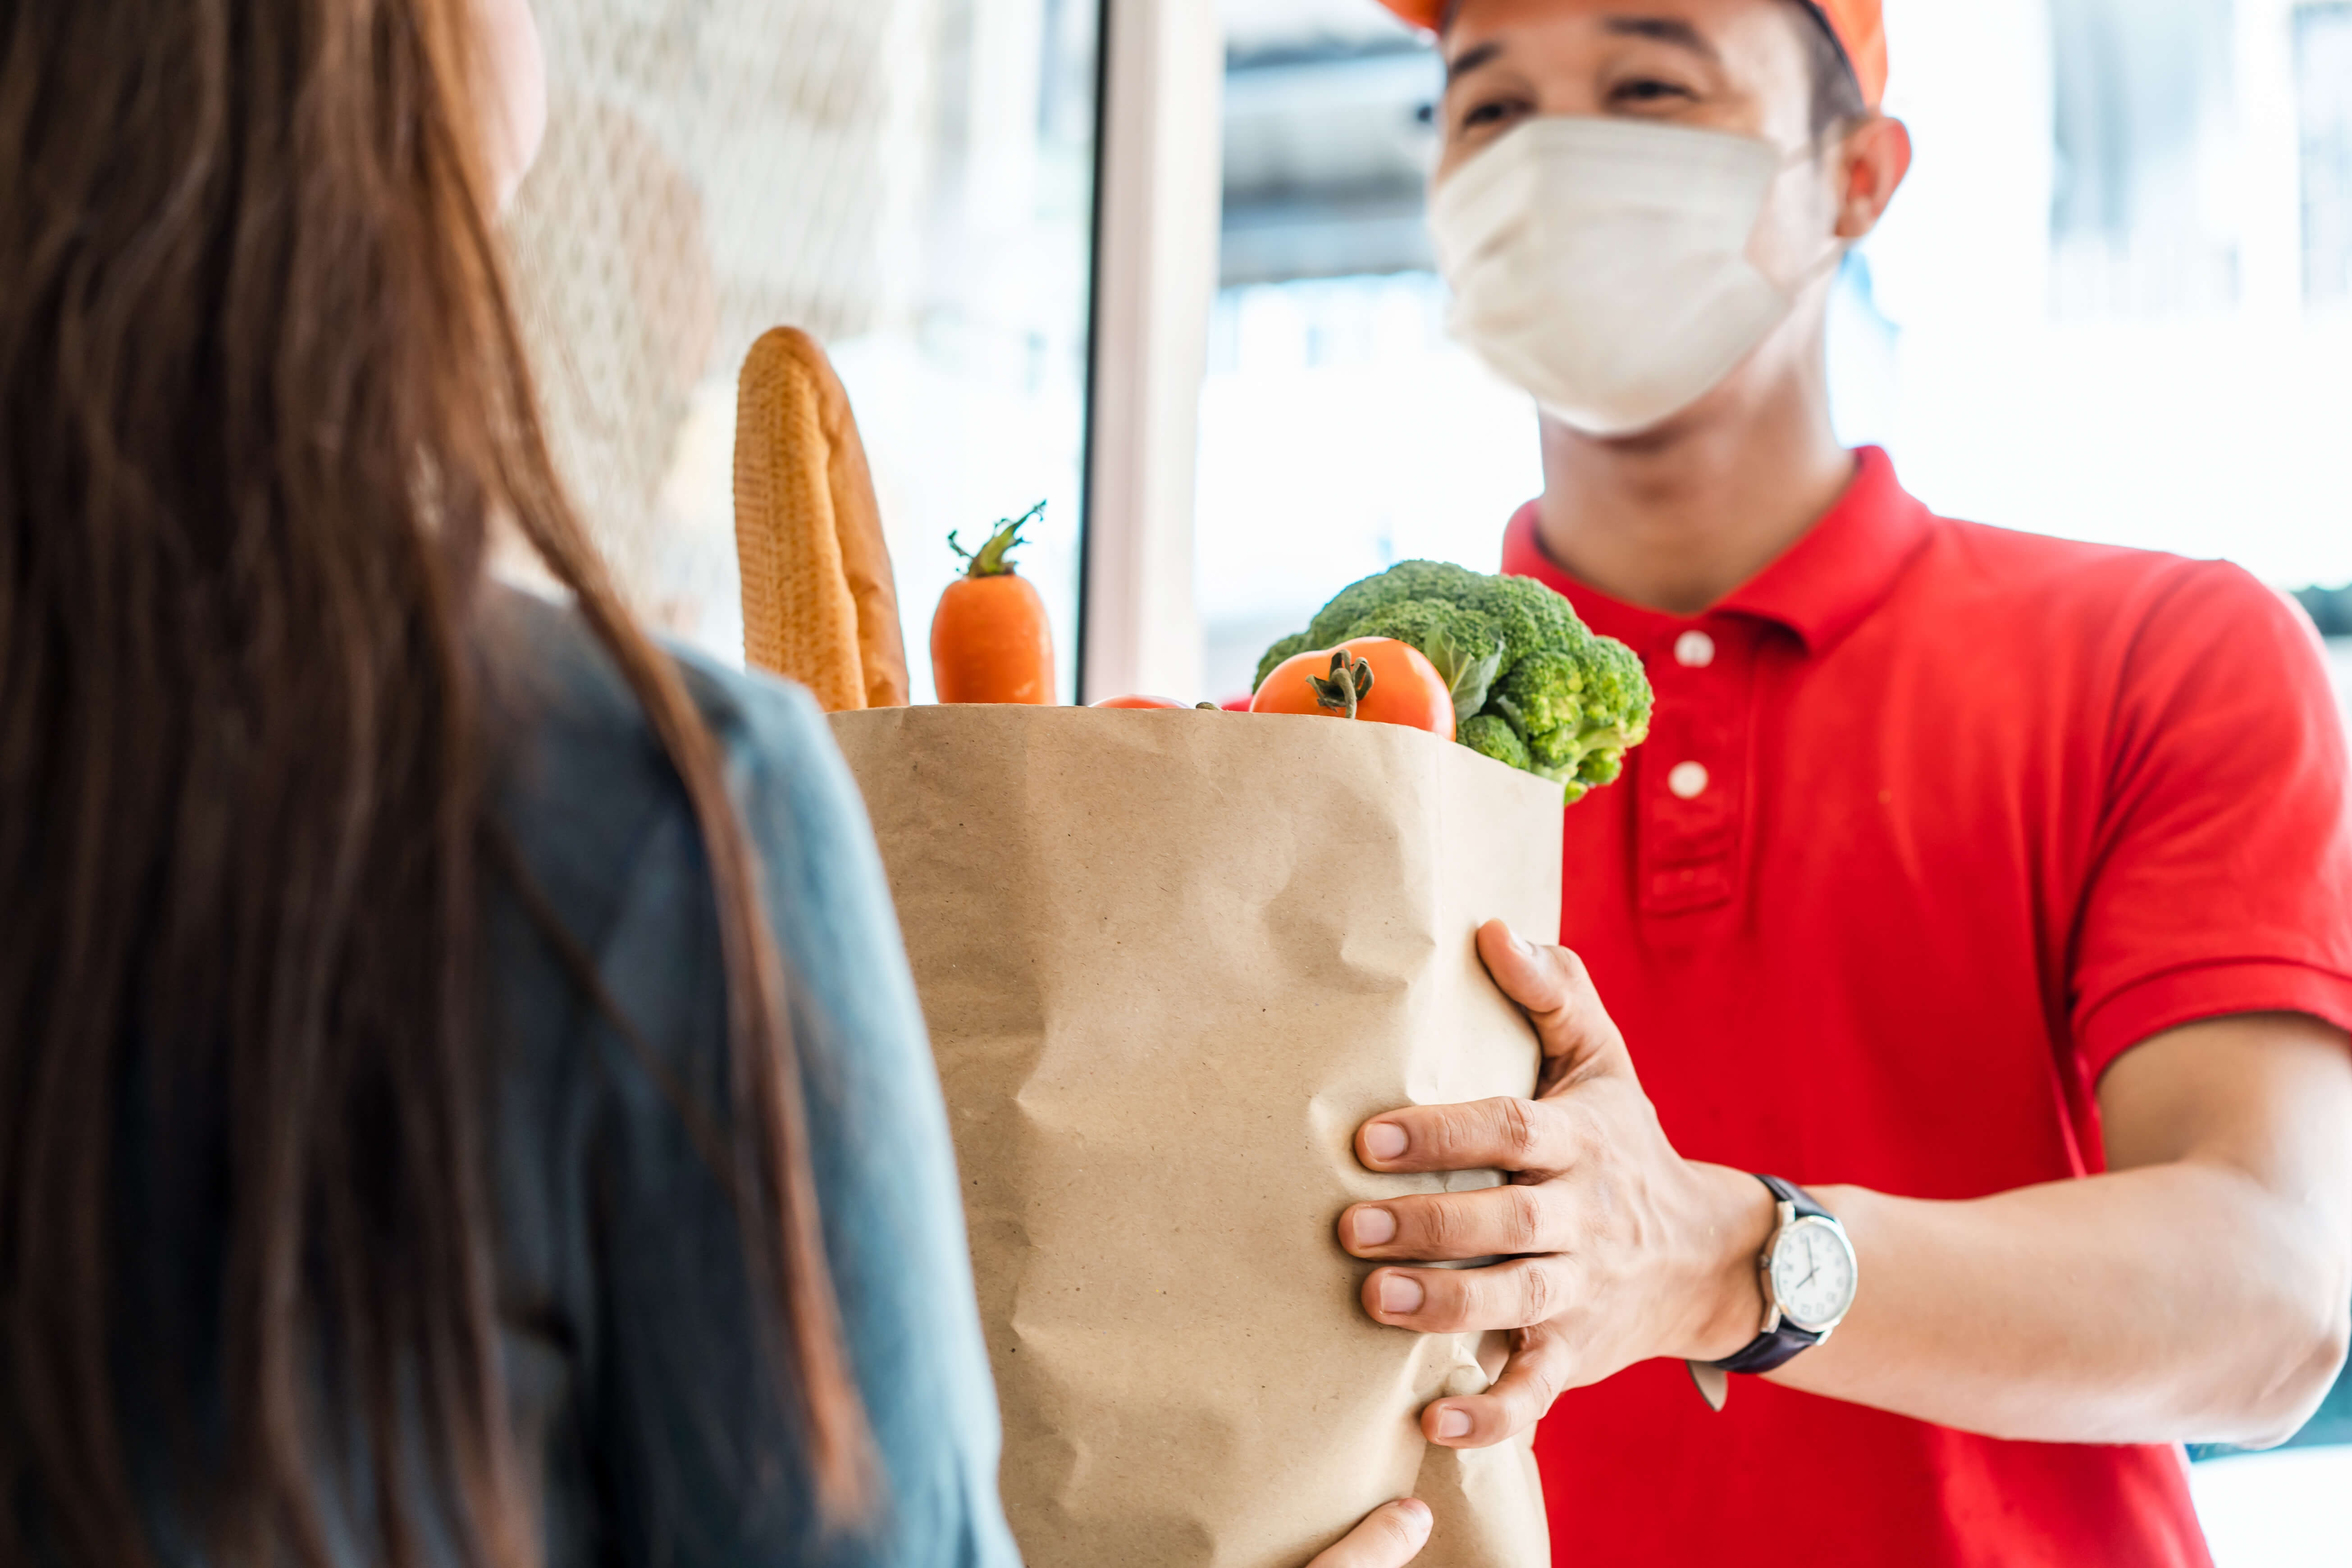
[993, 558]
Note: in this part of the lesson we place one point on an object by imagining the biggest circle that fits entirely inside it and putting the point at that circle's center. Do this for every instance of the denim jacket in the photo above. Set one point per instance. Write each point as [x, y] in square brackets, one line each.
[636, 1367]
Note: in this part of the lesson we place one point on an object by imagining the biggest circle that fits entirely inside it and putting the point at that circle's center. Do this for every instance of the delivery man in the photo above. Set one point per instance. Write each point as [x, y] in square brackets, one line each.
[1979, 915]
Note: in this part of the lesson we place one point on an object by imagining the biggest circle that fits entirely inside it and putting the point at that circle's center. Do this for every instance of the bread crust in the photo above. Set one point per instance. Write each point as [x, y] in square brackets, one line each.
[820, 602]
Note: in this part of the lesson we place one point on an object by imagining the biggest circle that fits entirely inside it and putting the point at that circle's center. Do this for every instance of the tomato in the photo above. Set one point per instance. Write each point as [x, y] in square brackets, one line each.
[1139, 702]
[1405, 687]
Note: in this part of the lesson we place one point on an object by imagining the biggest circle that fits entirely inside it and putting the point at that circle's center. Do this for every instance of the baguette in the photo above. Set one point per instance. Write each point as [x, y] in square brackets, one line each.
[820, 604]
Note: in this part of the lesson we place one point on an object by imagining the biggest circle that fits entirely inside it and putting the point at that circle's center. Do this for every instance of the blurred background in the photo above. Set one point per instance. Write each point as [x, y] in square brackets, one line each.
[2114, 302]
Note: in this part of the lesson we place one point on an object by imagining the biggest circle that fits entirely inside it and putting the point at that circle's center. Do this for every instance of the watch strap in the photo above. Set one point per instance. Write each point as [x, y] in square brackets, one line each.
[1768, 1353]
[1784, 1343]
[1796, 1197]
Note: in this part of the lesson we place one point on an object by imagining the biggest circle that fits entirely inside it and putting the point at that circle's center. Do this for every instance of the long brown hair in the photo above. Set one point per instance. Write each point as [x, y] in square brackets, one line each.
[262, 399]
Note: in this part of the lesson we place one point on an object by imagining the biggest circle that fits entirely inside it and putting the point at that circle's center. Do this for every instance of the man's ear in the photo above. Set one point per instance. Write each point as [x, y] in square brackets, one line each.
[1874, 157]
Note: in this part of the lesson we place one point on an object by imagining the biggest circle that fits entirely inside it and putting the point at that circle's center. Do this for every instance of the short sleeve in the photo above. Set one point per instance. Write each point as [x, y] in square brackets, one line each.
[2222, 877]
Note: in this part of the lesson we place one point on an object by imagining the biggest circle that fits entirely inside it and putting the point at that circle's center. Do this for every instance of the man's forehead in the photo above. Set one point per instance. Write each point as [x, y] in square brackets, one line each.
[1857, 27]
[1481, 31]
[1477, 47]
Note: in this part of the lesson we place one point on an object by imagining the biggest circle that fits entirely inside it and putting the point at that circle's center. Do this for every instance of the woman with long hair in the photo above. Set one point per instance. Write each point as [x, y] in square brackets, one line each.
[461, 1097]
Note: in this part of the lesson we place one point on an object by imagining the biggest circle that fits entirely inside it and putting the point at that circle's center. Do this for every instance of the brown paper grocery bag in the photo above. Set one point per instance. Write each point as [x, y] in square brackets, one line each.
[1170, 960]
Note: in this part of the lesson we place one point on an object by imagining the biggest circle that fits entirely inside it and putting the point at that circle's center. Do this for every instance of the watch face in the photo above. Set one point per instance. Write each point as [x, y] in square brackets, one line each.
[1813, 1274]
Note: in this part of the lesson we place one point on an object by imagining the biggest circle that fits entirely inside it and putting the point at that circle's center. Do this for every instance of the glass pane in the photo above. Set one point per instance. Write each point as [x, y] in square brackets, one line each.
[1340, 430]
[2090, 309]
[911, 181]
[2323, 59]
[2143, 117]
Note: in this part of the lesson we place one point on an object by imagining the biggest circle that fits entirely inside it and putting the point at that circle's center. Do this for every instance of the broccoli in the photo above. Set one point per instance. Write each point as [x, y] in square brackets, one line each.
[1524, 613]
[1489, 736]
[1407, 581]
[1579, 710]
[1530, 617]
[1532, 686]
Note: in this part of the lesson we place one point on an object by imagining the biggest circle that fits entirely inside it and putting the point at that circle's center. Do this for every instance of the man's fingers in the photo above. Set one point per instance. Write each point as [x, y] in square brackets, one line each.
[1514, 1295]
[1526, 971]
[1533, 1136]
[1494, 1222]
[1390, 1536]
[1581, 1044]
[1551, 984]
[1531, 1380]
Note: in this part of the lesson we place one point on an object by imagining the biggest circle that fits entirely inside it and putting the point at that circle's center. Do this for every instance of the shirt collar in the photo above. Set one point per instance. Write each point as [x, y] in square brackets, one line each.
[1820, 588]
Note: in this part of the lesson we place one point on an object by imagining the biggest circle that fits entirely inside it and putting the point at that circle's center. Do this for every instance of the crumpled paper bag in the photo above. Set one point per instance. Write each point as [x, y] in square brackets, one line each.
[1171, 960]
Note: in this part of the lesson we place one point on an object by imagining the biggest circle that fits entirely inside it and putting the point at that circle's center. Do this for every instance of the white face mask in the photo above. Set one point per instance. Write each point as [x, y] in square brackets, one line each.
[1602, 264]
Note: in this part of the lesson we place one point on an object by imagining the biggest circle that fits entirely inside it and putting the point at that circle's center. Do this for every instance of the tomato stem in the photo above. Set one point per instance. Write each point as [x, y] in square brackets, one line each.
[1350, 682]
[992, 560]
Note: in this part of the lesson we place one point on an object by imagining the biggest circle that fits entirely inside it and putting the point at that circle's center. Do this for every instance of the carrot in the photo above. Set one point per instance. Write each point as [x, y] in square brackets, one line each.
[990, 640]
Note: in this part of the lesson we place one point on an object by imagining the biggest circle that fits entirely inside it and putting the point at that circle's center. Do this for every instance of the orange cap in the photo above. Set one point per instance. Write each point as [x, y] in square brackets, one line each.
[1860, 25]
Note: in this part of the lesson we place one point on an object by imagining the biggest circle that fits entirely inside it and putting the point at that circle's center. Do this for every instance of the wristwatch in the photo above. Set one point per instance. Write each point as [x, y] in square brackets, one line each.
[1809, 1273]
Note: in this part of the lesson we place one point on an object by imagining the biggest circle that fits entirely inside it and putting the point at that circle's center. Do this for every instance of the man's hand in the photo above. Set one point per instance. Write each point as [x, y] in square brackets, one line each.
[2194, 1290]
[1618, 1249]
[1390, 1536]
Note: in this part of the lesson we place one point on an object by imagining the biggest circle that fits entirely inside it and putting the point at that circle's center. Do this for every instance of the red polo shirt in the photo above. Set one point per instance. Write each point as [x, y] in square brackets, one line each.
[1934, 822]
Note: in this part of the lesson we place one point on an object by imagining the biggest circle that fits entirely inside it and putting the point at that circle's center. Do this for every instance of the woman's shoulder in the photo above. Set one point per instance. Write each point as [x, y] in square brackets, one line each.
[608, 851]
[587, 790]
[573, 733]
[606, 864]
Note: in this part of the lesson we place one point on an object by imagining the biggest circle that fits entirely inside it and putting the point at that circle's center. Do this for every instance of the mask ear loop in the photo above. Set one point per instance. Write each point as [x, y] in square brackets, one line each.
[1840, 248]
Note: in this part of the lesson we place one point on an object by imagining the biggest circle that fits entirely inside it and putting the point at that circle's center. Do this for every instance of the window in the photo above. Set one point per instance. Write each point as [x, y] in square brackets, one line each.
[909, 180]
[2142, 133]
[2323, 59]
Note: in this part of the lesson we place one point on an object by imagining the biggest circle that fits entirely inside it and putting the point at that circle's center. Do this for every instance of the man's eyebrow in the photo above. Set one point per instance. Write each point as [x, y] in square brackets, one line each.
[1470, 59]
[1671, 30]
